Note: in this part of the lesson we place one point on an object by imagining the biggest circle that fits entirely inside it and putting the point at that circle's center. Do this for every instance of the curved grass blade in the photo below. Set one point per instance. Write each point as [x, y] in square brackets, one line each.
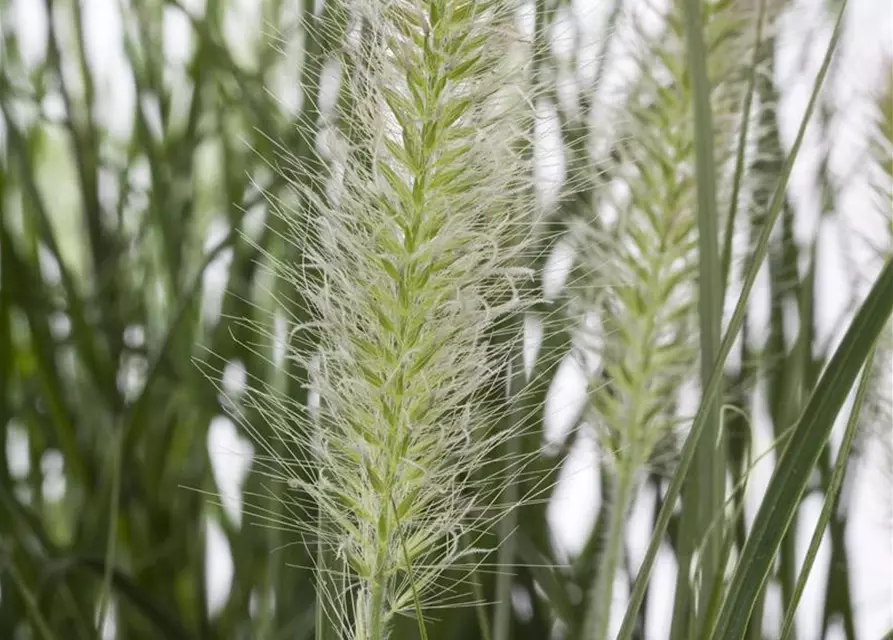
[800, 456]
[830, 496]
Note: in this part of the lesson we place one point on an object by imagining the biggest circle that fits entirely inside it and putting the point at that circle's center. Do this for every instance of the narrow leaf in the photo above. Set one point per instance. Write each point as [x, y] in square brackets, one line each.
[800, 456]
[831, 494]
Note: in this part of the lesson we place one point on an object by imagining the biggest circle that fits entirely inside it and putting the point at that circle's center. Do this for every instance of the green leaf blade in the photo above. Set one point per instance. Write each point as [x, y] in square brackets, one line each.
[800, 456]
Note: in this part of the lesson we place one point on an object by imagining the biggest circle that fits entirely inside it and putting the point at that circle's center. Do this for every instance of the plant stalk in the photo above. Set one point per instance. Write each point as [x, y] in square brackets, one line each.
[621, 496]
[375, 601]
[375, 630]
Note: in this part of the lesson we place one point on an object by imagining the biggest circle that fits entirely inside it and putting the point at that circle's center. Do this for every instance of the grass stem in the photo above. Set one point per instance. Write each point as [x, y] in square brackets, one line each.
[598, 625]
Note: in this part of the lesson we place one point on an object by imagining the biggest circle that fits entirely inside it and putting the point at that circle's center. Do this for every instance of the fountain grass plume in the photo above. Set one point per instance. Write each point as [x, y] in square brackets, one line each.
[414, 256]
[649, 313]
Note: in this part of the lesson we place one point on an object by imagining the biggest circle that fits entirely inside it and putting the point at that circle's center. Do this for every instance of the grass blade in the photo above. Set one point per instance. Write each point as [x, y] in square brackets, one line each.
[742, 146]
[34, 612]
[705, 489]
[830, 496]
[800, 456]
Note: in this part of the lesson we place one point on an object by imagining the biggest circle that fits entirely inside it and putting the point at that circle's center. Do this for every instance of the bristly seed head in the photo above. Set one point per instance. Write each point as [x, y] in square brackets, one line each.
[408, 268]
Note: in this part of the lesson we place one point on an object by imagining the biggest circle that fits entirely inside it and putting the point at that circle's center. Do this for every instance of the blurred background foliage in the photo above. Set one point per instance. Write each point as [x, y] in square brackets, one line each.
[130, 233]
[134, 191]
